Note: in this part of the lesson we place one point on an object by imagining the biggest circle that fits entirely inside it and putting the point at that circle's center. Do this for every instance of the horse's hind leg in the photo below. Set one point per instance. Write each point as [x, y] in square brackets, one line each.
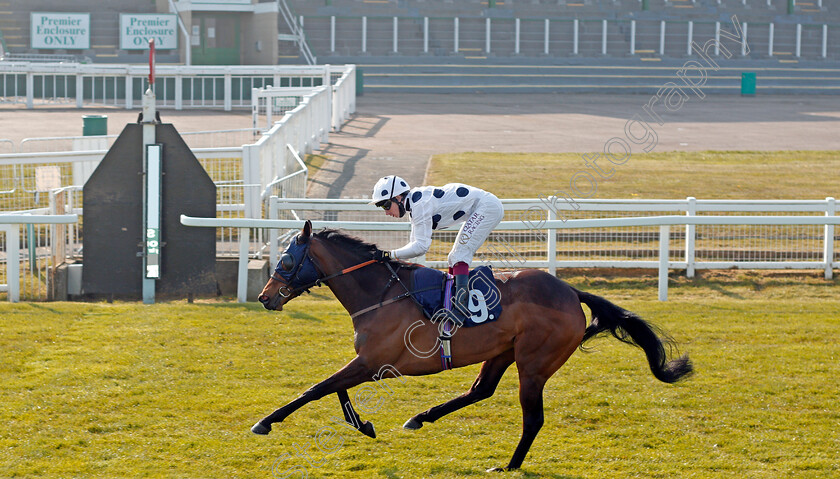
[352, 417]
[531, 399]
[539, 354]
[484, 386]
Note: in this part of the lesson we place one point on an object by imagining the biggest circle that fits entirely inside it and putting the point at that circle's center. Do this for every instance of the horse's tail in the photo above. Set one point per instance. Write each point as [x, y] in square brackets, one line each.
[628, 327]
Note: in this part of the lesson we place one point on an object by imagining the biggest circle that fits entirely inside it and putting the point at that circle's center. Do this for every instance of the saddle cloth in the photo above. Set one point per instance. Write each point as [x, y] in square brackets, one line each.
[485, 303]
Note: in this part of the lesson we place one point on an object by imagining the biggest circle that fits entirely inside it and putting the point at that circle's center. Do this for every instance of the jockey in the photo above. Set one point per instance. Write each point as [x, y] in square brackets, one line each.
[435, 207]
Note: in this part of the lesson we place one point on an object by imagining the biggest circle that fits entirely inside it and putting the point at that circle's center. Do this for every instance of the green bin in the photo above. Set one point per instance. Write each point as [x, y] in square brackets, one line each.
[748, 83]
[360, 82]
[95, 125]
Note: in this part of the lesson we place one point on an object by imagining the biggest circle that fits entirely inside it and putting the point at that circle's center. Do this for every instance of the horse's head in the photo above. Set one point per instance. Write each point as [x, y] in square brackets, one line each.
[294, 273]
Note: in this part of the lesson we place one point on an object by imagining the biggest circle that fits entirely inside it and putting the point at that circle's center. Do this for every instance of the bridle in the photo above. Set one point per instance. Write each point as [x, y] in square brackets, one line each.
[286, 291]
[293, 268]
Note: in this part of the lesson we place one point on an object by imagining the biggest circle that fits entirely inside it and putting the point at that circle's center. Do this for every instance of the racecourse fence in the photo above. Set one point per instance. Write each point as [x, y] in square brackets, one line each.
[247, 166]
[32, 280]
[550, 233]
[547, 233]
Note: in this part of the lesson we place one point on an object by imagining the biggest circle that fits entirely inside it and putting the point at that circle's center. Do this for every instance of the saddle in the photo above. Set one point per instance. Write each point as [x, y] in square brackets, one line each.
[434, 290]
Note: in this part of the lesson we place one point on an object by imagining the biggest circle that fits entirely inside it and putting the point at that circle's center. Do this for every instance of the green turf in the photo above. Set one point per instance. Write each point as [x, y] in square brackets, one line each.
[170, 390]
[705, 174]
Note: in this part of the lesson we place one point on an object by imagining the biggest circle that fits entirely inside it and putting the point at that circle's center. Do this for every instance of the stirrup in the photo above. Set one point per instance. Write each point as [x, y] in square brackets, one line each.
[446, 351]
[445, 342]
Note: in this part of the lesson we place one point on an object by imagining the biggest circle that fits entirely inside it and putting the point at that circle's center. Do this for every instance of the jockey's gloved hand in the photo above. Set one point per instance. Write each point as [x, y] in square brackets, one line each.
[380, 255]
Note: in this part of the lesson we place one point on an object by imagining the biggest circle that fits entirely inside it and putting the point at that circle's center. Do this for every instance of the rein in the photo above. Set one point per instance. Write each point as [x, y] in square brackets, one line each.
[318, 281]
[408, 293]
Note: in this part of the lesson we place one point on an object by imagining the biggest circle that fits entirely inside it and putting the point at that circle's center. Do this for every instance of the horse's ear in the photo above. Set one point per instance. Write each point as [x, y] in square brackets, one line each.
[306, 231]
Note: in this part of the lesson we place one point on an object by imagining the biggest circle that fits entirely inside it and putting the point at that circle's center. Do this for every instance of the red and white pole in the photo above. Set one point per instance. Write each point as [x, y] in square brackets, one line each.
[152, 64]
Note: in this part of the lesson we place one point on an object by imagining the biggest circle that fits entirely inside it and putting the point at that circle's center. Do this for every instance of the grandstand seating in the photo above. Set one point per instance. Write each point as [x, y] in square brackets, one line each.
[348, 44]
[756, 10]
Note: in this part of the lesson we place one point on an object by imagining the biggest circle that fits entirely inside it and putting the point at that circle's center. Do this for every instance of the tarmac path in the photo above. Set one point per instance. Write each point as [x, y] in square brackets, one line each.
[398, 133]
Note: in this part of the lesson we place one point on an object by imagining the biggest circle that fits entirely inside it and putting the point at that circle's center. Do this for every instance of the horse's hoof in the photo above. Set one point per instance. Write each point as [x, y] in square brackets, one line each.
[501, 469]
[368, 430]
[412, 424]
[260, 428]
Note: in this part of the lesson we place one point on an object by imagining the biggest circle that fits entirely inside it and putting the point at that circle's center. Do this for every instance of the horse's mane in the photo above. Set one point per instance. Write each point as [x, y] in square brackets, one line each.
[356, 245]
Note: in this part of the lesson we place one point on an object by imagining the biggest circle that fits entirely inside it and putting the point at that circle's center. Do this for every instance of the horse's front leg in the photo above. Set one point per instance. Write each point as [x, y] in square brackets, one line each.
[352, 374]
[352, 417]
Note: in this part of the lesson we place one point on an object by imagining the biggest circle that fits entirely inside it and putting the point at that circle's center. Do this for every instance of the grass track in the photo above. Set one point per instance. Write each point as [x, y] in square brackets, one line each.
[669, 175]
[170, 390]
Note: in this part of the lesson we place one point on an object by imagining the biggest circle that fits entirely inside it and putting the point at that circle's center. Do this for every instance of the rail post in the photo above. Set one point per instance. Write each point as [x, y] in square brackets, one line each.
[364, 34]
[12, 261]
[690, 231]
[664, 236]
[455, 28]
[828, 245]
[242, 270]
[552, 244]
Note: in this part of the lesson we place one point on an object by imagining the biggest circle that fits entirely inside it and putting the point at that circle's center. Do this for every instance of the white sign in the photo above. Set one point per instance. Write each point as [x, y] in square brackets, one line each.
[137, 29]
[47, 178]
[60, 31]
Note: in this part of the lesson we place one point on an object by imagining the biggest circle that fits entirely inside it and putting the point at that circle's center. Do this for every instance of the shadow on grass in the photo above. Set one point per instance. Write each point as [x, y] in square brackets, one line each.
[44, 308]
[720, 289]
[302, 315]
[551, 474]
[242, 306]
[731, 283]
[455, 471]
[258, 308]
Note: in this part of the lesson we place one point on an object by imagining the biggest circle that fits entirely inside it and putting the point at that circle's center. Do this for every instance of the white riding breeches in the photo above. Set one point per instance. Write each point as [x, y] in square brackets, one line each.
[476, 229]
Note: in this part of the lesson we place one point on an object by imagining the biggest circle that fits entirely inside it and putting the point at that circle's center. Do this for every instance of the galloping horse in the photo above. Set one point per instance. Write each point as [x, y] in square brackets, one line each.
[541, 325]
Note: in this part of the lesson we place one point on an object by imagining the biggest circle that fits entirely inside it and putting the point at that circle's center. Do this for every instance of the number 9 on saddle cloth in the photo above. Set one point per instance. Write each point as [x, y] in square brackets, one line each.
[485, 303]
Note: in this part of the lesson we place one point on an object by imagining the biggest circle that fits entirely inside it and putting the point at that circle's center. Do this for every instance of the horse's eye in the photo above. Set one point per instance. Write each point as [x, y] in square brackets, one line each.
[287, 262]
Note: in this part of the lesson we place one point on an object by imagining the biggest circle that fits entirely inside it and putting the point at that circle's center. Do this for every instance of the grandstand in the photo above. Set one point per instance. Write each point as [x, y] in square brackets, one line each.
[258, 32]
[336, 28]
[437, 45]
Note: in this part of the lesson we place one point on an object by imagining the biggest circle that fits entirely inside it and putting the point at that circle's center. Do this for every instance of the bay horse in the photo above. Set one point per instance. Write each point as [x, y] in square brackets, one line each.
[541, 325]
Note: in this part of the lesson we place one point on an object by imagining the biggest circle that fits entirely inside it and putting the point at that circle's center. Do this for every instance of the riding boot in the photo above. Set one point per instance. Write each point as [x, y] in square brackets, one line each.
[461, 298]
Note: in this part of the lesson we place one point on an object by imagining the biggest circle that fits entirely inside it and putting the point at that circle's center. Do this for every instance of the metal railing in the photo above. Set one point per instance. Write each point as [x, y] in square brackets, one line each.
[297, 32]
[37, 263]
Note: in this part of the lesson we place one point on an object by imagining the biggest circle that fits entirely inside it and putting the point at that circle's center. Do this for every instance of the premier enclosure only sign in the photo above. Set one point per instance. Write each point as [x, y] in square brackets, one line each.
[136, 30]
[67, 31]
